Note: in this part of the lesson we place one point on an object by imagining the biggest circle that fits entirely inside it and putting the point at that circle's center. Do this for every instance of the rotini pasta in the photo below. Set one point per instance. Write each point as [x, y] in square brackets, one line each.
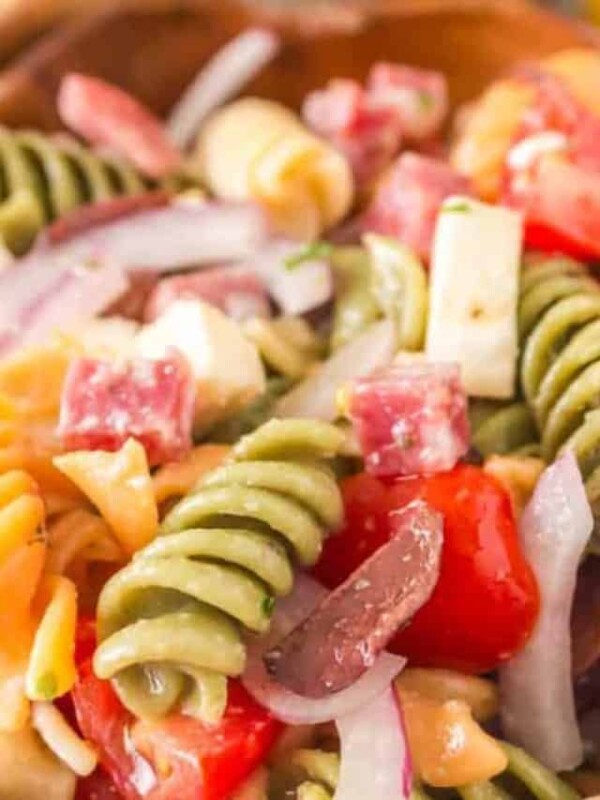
[385, 279]
[220, 559]
[119, 485]
[355, 305]
[305, 184]
[38, 614]
[559, 321]
[253, 415]
[22, 553]
[503, 428]
[80, 535]
[312, 775]
[44, 178]
[400, 288]
[288, 345]
[175, 479]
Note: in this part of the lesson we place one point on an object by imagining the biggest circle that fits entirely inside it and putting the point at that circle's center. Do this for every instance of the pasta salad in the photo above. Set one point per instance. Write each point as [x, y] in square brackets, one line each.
[299, 440]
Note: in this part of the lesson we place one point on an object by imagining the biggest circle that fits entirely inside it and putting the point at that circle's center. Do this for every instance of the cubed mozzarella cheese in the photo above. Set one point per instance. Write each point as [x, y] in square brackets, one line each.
[474, 294]
[226, 366]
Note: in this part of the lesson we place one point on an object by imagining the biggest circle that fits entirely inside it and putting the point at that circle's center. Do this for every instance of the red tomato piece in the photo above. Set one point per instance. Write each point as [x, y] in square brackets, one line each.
[177, 758]
[206, 762]
[556, 108]
[237, 291]
[104, 722]
[410, 419]
[107, 116]
[408, 199]
[419, 96]
[103, 404]
[561, 202]
[486, 601]
[558, 192]
[368, 134]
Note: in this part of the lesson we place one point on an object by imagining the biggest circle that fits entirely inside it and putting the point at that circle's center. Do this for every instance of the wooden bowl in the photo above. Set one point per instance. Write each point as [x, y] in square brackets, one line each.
[154, 55]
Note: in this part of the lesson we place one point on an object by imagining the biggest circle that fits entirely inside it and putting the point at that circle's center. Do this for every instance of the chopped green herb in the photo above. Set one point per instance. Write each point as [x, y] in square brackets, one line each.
[425, 100]
[268, 604]
[47, 686]
[309, 252]
[460, 207]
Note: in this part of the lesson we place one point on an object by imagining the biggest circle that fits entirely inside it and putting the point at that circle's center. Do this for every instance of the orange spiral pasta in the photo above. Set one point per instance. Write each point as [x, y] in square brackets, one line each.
[38, 610]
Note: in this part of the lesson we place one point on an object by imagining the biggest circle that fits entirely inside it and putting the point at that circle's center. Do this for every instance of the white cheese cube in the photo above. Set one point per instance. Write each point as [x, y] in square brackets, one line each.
[474, 294]
[225, 364]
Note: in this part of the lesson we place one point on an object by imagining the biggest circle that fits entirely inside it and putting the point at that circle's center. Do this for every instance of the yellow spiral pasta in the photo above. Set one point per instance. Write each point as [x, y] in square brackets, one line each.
[288, 345]
[37, 611]
[257, 149]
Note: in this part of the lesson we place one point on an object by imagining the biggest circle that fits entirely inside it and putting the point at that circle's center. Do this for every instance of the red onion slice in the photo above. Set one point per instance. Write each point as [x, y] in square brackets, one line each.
[37, 297]
[174, 237]
[226, 74]
[297, 289]
[315, 397]
[375, 760]
[292, 708]
[538, 707]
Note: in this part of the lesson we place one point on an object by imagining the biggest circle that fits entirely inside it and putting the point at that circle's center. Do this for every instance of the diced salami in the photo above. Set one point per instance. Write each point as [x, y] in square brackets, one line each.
[105, 403]
[411, 418]
[419, 97]
[107, 116]
[342, 638]
[236, 291]
[369, 123]
[369, 134]
[408, 199]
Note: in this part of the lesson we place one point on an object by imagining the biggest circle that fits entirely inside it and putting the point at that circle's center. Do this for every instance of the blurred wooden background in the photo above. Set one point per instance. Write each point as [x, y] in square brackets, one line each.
[24, 21]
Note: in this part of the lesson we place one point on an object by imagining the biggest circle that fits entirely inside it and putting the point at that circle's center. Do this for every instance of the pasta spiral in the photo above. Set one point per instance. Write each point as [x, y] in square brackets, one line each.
[305, 184]
[384, 279]
[44, 178]
[313, 774]
[288, 345]
[169, 623]
[559, 322]
[503, 428]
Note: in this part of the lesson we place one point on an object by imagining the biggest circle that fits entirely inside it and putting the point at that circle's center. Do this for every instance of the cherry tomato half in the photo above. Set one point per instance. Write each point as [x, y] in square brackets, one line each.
[177, 758]
[486, 601]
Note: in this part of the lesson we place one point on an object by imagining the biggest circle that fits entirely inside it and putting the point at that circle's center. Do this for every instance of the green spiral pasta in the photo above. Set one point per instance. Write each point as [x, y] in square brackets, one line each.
[559, 324]
[306, 775]
[252, 416]
[42, 178]
[290, 348]
[313, 775]
[503, 428]
[355, 306]
[383, 279]
[170, 622]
